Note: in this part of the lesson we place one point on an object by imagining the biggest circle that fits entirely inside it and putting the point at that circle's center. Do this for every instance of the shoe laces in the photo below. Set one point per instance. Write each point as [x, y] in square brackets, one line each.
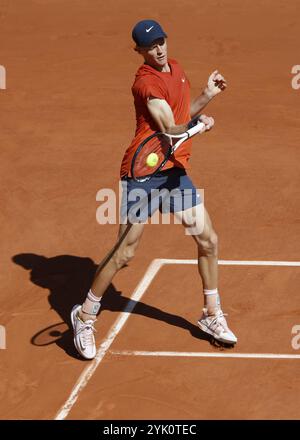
[87, 331]
[218, 321]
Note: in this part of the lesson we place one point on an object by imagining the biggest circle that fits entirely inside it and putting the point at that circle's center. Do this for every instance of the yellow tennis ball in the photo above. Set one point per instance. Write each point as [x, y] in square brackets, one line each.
[152, 159]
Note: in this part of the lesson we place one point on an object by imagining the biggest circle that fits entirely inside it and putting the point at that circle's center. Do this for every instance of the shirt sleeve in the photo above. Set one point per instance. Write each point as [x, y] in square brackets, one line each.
[147, 89]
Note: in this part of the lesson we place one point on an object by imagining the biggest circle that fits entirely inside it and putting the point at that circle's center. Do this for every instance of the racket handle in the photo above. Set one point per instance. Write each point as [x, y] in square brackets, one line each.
[194, 121]
[194, 130]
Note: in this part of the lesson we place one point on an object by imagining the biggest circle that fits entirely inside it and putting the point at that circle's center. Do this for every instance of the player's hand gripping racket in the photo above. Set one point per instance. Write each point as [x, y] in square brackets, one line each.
[154, 152]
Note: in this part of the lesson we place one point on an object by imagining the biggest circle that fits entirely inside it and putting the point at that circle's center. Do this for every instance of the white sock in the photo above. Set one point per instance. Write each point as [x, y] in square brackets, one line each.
[211, 300]
[91, 304]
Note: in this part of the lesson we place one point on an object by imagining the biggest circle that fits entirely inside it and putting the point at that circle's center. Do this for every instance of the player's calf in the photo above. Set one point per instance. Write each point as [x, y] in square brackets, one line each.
[123, 256]
[208, 246]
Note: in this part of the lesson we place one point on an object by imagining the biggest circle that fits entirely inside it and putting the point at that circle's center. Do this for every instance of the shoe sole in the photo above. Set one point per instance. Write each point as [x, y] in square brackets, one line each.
[207, 330]
[73, 317]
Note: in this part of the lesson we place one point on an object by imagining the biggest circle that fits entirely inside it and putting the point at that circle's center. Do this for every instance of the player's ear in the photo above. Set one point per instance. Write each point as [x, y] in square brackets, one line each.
[137, 49]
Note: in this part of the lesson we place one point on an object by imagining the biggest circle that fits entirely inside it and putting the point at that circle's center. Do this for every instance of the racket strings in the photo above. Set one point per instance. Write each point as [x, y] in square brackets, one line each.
[160, 145]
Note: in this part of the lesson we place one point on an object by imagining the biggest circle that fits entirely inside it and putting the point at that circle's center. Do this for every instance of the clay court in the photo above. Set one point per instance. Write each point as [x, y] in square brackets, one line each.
[66, 117]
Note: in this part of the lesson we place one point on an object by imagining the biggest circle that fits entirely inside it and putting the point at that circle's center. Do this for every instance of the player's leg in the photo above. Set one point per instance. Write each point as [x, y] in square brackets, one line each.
[212, 320]
[118, 257]
[196, 220]
[203, 233]
[136, 205]
[83, 316]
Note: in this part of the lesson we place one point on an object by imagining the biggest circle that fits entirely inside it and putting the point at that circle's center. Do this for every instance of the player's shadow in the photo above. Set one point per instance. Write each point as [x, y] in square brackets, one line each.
[68, 279]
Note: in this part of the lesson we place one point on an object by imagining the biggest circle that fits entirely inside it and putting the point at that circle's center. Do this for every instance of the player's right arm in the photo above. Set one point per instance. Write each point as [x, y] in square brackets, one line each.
[162, 115]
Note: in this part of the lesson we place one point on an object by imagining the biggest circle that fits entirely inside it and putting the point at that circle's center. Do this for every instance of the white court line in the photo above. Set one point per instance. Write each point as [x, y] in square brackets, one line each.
[121, 320]
[115, 329]
[235, 262]
[206, 355]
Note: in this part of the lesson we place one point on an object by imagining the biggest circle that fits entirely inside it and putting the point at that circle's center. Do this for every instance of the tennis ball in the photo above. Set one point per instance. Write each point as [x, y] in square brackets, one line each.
[152, 159]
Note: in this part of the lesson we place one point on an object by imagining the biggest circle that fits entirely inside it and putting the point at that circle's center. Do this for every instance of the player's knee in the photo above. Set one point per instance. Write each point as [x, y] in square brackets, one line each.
[208, 246]
[129, 253]
[122, 257]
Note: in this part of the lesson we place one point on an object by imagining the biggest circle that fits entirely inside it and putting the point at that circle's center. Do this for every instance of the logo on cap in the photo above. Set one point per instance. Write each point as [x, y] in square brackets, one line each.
[146, 31]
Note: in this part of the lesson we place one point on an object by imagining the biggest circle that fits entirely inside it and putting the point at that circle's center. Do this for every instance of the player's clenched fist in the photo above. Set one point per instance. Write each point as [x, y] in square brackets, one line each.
[208, 121]
[216, 84]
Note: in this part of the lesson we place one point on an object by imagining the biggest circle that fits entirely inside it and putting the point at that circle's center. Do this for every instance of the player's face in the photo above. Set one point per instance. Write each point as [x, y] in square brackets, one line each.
[156, 54]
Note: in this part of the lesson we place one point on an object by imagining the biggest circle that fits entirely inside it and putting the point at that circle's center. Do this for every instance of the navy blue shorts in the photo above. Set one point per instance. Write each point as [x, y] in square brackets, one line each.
[169, 191]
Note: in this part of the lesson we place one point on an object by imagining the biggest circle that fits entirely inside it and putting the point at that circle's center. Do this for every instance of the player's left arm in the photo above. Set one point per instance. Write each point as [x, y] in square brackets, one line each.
[216, 84]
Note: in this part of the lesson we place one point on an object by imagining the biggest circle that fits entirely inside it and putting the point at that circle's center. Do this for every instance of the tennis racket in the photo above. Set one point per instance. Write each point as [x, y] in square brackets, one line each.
[155, 151]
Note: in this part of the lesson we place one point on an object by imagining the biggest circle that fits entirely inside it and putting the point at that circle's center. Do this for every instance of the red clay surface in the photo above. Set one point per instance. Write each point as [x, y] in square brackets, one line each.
[66, 118]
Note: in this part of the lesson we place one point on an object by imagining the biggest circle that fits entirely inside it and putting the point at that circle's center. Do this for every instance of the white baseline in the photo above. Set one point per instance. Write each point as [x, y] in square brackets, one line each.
[205, 355]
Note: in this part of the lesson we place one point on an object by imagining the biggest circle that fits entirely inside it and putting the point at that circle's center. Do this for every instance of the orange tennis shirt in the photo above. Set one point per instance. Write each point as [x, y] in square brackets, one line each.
[174, 87]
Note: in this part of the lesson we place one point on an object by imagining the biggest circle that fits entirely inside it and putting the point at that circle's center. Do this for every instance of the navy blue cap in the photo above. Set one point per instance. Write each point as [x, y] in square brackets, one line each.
[146, 31]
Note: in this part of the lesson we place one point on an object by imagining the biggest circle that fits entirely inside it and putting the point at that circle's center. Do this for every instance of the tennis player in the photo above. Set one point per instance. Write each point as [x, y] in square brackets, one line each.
[161, 92]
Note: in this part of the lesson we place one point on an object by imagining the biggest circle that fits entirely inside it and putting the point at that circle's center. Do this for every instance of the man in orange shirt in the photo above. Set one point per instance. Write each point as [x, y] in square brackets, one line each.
[162, 102]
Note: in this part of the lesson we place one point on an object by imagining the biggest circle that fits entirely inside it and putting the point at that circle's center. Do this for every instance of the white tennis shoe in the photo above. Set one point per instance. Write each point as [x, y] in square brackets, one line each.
[84, 340]
[216, 326]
